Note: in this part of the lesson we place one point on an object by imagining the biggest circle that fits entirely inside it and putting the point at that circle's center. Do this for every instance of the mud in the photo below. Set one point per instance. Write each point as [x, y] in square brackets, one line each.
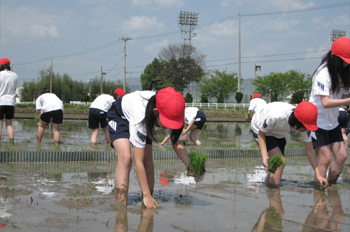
[230, 196]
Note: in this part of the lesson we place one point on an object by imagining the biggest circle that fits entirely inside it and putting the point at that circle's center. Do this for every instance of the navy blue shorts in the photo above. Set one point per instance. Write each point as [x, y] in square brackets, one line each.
[118, 125]
[56, 115]
[200, 119]
[326, 137]
[97, 117]
[272, 142]
[7, 112]
[343, 119]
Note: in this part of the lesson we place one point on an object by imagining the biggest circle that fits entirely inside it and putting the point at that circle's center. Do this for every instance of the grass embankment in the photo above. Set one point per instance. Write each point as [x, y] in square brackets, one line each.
[82, 112]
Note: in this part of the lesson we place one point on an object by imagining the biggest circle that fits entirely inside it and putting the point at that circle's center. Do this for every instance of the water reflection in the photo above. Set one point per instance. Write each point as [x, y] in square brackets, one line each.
[75, 136]
[319, 218]
[271, 218]
[146, 220]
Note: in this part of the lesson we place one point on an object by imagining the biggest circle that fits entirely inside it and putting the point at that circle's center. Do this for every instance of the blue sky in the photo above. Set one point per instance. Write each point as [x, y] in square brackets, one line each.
[80, 36]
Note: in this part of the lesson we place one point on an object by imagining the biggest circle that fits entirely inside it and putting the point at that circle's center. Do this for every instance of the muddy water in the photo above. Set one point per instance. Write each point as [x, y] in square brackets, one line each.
[229, 197]
[75, 136]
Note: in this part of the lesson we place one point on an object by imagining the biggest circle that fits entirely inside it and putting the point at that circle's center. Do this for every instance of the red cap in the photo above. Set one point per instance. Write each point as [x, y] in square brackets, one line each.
[306, 113]
[256, 95]
[120, 92]
[171, 108]
[4, 61]
[341, 48]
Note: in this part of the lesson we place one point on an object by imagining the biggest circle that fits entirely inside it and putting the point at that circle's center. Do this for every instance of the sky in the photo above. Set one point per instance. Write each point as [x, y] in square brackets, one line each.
[81, 37]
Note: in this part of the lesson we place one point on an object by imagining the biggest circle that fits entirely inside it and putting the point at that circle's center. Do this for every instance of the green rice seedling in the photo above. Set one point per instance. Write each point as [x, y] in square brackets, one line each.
[275, 162]
[197, 163]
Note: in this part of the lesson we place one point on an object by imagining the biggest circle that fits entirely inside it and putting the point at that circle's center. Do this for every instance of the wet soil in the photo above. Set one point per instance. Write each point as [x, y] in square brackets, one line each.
[230, 196]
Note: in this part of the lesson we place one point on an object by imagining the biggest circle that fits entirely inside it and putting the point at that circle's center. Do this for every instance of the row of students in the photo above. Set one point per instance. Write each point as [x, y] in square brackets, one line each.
[319, 115]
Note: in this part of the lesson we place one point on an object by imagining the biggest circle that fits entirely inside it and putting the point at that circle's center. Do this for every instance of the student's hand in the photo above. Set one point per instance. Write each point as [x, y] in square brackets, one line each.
[184, 132]
[160, 144]
[149, 202]
[266, 162]
[322, 181]
[248, 119]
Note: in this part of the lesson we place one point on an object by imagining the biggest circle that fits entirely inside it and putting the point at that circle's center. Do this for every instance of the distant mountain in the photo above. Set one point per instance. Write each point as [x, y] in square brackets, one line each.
[134, 83]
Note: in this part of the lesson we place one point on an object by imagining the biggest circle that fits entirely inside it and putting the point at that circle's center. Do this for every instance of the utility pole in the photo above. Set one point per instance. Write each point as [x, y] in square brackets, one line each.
[51, 73]
[239, 52]
[102, 73]
[125, 39]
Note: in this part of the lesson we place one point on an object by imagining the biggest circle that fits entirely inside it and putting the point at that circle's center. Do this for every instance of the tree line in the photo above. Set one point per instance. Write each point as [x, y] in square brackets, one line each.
[177, 66]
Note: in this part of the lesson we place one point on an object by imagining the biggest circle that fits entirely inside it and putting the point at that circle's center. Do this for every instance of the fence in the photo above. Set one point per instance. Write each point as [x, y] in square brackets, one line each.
[193, 104]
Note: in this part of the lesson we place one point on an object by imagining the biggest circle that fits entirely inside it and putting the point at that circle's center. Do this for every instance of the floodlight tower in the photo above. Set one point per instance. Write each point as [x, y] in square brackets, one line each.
[187, 23]
[337, 34]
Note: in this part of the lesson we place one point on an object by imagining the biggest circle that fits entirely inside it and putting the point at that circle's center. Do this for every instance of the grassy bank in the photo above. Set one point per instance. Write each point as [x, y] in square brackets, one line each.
[82, 112]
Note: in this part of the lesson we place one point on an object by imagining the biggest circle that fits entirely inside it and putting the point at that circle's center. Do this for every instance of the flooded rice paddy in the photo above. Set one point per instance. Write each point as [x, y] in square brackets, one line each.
[75, 136]
[230, 196]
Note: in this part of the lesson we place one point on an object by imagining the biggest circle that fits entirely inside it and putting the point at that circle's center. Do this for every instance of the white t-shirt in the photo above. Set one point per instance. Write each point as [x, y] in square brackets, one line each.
[103, 102]
[134, 106]
[273, 120]
[256, 104]
[327, 118]
[48, 102]
[8, 86]
[190, 113]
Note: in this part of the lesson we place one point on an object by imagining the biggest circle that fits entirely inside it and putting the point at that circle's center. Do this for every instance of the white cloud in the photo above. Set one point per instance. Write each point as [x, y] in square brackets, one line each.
[155, 47]
[27, 21]
[291, 4]
[280, 25]
[342, 20]
[157, 3]
[139, 24]
[223, 29]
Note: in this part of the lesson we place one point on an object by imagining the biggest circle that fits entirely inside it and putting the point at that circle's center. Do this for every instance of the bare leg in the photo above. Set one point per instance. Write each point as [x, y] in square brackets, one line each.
[193, 137]
[122, 172]
[10, 131]
[275, 178]
[340, 156]
[40, 133]
[93, 140]
[56, 134]
[345, 137]
[106, 132]
[181, 152]
[324, 159]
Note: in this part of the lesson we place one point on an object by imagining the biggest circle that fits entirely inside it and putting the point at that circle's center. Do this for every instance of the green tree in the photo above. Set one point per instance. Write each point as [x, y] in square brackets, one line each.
[277, 83]
[188, 98]
[151, 78]
[299, 85]
[219, 85]
[283, 84]
[239, 97]
[66, 88]
[177, 66]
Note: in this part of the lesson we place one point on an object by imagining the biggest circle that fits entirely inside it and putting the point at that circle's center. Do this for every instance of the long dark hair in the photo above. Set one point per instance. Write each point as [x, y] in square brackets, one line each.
[294, 122]
[340, 75]
[150, 120]
[5, 66]
[175, 135]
